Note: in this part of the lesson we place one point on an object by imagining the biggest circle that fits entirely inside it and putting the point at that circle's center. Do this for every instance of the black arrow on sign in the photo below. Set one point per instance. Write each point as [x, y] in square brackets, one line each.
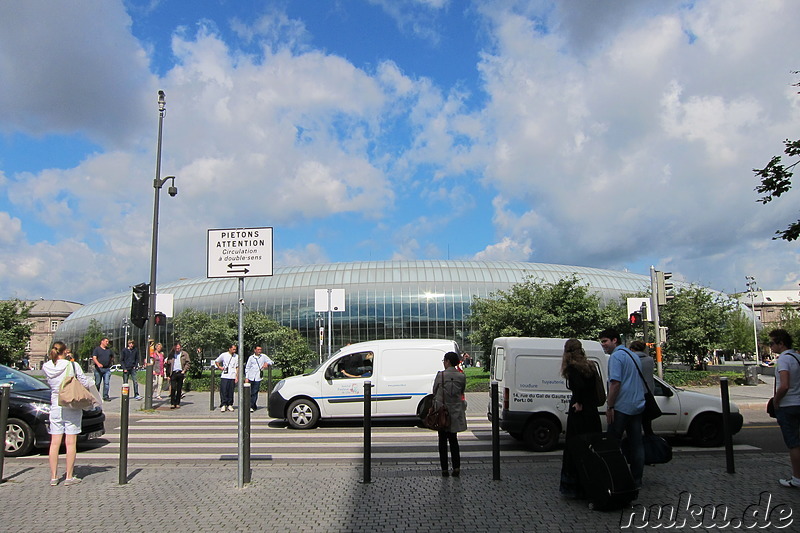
[232, 265]
[243, 271]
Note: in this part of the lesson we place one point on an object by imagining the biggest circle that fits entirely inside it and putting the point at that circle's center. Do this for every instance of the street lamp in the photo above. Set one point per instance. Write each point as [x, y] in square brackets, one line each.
[752, 288]
[158, 182]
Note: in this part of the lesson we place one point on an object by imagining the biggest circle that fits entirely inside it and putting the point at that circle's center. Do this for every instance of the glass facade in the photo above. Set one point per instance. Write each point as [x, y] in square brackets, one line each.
[383, 299]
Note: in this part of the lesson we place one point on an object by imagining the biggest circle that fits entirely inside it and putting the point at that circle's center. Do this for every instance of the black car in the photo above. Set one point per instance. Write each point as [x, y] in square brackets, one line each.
[29, 414]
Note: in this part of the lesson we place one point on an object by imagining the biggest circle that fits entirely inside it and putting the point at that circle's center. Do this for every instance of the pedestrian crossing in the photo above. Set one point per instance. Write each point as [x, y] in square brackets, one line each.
[193, 439]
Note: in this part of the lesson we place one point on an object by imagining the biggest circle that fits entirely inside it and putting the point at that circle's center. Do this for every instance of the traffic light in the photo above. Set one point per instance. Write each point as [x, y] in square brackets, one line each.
[636, 318]
[663, 287]
[160, 319]
[139, 304]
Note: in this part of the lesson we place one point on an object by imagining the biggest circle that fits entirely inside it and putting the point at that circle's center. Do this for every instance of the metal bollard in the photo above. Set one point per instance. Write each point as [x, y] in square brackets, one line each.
[211, 394]
[367, 432]
[123, 435]
[726, 425]
[244, 405]
[5, 394]
[495, 432]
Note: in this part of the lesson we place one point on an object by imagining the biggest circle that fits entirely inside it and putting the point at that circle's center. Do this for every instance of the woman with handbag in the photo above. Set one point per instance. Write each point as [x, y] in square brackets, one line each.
[448, 388]
[63, 420]
[582, 417]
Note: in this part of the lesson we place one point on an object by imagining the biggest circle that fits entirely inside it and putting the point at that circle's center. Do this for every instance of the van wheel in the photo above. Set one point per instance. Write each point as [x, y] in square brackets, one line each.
[303, 414]
[706, 430]
[541, 434]
[19, 438]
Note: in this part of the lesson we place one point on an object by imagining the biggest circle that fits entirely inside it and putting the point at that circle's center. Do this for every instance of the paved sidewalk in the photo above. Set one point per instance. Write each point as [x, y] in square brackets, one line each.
[325, 497]
[331, 498]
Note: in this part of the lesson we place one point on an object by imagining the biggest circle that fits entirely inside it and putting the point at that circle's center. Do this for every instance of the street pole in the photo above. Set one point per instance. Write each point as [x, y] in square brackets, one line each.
[330, 319]
[751, 288]
[151, 308]
[656, 325]
[244, 402]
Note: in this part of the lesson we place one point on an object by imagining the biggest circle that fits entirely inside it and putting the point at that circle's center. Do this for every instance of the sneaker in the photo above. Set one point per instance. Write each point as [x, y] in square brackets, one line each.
[790, 483]
[54, 482]
[252, 410]
[137, 397]
[223, 408]
[71, 481]
[445, 473]
[106, 399]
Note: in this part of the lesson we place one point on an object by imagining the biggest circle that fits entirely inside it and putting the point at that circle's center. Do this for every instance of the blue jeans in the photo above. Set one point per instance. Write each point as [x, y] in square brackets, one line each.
[255, 386]
[632, 425]
[132, 374]
[103, 374]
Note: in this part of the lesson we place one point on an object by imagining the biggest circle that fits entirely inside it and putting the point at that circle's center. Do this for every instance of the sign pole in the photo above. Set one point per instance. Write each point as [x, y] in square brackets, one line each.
[244, 403]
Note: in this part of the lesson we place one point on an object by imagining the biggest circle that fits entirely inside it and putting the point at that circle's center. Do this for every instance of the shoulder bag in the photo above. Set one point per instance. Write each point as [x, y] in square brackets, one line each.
[72, 393]
[600, 389]
[438, 417]
[651, 408]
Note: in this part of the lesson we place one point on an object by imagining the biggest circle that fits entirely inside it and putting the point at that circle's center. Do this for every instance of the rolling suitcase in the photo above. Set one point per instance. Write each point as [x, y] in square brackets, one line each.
[603, 471]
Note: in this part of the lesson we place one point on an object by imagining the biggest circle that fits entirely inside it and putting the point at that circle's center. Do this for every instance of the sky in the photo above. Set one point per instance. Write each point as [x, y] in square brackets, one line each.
[611, 134]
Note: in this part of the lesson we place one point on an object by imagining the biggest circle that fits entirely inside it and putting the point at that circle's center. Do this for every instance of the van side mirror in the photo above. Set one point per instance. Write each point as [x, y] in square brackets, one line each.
[329, 372]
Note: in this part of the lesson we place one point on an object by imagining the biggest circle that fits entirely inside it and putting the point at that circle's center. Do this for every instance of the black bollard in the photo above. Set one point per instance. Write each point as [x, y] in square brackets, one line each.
[726, 425]
[367, 432]
[5, 394]
[495, 433]
[211, 394]
[245, 407]
[123, 435]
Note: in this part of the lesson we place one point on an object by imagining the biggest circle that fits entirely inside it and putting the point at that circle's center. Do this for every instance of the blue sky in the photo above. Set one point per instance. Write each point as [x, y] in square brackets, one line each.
[607, 134]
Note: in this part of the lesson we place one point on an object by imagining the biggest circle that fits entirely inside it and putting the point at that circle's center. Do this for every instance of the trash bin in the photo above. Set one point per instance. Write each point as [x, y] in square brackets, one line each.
[751, 375]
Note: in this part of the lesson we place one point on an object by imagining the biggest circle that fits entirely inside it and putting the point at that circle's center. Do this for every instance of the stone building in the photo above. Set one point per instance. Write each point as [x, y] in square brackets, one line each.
[46, 317]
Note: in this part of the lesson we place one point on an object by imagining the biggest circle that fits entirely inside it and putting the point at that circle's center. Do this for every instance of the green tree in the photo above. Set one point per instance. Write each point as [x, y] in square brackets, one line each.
[15, 331]
[209, 334]
[737, 335]
[91, 338]
[536, 309]
[790, 321]
[776, 179]
[289, 350]
[697, 321]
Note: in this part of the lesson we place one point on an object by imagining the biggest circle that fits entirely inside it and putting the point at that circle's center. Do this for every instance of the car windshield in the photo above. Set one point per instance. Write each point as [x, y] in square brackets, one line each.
[20, 382]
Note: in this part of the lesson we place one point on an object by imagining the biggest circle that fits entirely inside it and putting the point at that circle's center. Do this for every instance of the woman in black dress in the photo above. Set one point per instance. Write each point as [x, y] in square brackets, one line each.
[582, 416]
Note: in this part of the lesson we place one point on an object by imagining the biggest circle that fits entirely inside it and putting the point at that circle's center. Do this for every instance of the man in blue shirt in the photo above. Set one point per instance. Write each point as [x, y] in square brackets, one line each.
[103, 358]
[625, 399]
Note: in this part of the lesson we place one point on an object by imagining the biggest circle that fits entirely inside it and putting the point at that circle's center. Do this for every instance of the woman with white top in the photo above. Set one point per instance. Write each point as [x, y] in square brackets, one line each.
[63, 420]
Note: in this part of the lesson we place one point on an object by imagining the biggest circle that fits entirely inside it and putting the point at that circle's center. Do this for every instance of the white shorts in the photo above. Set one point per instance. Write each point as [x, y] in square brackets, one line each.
[65, 420]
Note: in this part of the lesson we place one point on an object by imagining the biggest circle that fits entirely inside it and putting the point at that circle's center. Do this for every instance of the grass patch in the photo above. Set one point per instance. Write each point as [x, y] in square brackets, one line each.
[700, 378]
[477, 379]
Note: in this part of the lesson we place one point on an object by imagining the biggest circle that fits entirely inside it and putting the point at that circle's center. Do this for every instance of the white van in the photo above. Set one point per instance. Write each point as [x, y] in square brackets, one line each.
[401, 372]
[534, 398]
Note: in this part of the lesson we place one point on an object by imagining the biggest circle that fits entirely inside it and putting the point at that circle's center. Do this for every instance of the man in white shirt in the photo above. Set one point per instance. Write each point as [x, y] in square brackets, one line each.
[787, 399]
[256, 364]
[228, 362]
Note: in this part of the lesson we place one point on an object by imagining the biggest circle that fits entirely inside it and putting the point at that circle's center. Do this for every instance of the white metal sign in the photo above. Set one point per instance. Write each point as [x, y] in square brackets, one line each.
[321, 300]
[239, 252]
[635, 304]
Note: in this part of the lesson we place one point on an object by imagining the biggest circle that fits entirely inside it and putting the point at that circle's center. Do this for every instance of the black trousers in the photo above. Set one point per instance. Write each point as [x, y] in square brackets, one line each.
[176, 387]
[455, 454]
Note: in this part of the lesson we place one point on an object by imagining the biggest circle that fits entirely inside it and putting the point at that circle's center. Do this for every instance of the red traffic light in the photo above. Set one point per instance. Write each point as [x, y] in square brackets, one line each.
[160, 319]
[636, 318]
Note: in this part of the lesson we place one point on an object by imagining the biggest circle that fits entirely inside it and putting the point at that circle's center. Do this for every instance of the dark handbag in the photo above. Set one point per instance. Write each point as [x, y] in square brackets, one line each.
[600, 389]
[651, 408]
[438, 417]
[771, 408]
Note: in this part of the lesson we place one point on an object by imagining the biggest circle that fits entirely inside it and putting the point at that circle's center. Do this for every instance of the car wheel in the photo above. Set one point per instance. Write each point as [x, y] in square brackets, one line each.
[541, 434]
[303, 414]
[19, 438]
[706, 430]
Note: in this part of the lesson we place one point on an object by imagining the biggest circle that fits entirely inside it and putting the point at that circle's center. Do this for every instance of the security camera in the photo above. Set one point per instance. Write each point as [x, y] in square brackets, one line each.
[173, 191]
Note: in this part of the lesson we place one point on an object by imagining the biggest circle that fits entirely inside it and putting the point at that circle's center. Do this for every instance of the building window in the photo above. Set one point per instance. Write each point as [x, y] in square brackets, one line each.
[53, 325]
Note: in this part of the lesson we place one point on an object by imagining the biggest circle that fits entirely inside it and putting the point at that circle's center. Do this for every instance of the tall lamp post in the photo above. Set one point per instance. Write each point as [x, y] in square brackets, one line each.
[151, 308]
[752, 288]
